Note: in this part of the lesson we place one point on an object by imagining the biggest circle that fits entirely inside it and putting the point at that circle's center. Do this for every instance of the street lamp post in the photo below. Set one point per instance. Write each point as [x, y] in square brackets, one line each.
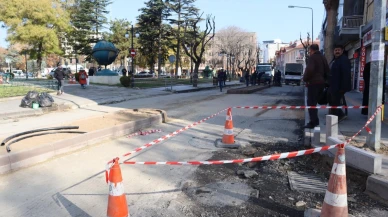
[312, 20]
[133, 57]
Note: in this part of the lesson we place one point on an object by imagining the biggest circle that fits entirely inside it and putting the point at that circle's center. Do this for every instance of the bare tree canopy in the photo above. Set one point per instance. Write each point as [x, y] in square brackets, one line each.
[238, 43]
[197, 40]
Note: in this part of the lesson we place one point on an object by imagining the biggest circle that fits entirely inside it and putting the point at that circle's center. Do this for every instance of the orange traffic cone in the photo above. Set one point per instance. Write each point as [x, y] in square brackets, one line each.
[228, 137]
[335, 203]
[117, 202]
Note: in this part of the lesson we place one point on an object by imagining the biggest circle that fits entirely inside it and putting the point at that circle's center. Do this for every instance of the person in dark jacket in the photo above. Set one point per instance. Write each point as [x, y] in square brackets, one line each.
[59, 74]
[91, 71]
[246, 76]
[365, 94]
[314, 76]
[221, 76]
[225, 77]
[254, 78]
[339, 80]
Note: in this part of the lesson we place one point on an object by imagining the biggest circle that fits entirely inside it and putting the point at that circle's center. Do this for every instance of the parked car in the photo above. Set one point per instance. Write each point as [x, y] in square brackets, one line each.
[142, 74]
[18, 73]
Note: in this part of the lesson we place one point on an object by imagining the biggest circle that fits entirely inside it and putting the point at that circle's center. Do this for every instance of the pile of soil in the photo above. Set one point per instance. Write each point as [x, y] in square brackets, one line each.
[271, 193]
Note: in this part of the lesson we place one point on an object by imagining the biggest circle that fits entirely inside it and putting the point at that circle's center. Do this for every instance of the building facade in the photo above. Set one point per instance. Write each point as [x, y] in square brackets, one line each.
[293, 53]
[354, 32]
[269, 49]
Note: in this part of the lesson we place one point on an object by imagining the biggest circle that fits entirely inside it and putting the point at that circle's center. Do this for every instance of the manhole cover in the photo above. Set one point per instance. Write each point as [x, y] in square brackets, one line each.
[306, 182]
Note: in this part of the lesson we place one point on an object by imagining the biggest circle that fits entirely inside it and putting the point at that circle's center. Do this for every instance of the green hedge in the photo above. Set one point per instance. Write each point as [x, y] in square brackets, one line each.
[125, 81]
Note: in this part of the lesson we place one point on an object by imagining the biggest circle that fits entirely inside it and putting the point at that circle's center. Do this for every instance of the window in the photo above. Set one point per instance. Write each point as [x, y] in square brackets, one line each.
[369, 11]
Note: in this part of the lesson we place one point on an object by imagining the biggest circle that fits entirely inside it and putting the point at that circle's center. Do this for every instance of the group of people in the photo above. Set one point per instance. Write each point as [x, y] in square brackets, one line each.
[336, 77]
[253, 78]
[59, 75]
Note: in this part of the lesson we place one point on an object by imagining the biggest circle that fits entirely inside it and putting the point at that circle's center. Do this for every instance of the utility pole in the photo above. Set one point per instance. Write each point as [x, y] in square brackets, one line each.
[376, 78]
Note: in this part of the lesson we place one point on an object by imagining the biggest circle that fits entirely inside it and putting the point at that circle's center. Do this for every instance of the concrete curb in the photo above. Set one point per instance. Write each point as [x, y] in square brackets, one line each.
[16, 160]
[247, 90]
[66, 106]
[202, 88]
[378, 185]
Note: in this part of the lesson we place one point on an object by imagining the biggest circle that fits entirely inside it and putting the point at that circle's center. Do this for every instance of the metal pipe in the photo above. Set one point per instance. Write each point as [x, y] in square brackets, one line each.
[38, 130]
[39, 134]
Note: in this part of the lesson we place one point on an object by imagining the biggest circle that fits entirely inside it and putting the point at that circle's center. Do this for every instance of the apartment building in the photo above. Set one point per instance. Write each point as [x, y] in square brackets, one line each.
[293, 53]
[269, 49]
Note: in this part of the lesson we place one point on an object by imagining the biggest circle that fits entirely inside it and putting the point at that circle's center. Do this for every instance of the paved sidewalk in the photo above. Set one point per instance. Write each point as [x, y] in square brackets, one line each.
[353, 123]
[75, 97]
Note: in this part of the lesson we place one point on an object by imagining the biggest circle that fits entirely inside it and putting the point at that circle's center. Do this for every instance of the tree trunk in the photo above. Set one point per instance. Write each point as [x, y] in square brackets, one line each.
[331, 14]
[195, 76]
[39, 60]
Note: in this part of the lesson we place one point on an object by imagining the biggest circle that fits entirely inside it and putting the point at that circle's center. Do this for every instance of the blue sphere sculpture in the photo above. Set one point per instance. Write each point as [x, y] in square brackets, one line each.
[105, 53]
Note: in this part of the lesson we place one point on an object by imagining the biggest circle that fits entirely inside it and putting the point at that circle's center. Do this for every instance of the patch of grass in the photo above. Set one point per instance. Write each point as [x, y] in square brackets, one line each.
[12, 91]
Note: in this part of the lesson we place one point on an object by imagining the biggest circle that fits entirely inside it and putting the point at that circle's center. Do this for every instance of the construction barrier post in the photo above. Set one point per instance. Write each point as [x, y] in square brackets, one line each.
[228, 136]
[117, 202]
[335, 203]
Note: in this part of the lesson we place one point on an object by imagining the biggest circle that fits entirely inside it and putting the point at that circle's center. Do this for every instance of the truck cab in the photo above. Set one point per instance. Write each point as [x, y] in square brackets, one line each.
[266, 70]
[293, 73]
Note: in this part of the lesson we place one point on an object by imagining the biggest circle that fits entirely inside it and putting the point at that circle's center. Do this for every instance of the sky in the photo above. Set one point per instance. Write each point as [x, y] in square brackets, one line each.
[270, 19]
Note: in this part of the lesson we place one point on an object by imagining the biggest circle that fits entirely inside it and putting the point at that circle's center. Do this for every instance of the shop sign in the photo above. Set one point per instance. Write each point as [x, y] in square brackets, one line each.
[362, 61]
[361, 86]
[367, 39]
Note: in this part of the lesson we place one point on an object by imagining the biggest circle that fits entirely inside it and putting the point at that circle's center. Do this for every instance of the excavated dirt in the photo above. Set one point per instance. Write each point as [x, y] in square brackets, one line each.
[269, 193]
[85, 125]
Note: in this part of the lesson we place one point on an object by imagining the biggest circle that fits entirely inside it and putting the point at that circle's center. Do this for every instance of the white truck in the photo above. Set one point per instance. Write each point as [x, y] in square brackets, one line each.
[293, 73]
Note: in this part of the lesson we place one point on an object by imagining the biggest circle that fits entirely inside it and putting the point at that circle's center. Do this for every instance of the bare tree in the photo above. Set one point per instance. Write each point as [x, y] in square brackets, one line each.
[331, 7]
[199, 40]
[305, 46]
[238, 43]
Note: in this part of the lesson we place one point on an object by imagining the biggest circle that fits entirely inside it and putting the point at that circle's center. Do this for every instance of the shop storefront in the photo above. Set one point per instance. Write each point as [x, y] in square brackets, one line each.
[364, 57]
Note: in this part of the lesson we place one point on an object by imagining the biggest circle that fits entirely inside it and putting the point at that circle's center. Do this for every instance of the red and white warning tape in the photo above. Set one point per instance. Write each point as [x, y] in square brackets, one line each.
[170, 135]
[257, 159]
[366, 125]
[299, 107]
[144, 133]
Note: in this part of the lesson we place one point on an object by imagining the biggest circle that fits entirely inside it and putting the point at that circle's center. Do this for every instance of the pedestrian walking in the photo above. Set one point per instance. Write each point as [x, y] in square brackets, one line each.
[124, 72]
[246, 76]
[59, 74]
[314, 76]
[82, 78]
[225, 76]
[91, 71]
[254, 77]
[221, 77]
[339, 81]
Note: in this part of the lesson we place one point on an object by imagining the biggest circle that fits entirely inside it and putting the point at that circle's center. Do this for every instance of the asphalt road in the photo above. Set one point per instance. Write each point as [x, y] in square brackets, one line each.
[74, 184]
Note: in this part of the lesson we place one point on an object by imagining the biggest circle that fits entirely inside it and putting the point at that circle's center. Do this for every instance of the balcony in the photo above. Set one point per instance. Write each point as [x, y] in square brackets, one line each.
[350, 25]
